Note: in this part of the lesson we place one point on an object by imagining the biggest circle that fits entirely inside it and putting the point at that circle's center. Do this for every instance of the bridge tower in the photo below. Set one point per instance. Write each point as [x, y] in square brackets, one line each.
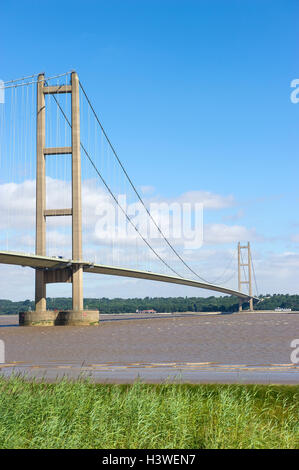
[73, 274]
[245, 280]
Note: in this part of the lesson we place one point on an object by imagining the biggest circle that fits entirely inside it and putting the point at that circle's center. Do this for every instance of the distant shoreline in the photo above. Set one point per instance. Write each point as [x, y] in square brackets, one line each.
[178, 313]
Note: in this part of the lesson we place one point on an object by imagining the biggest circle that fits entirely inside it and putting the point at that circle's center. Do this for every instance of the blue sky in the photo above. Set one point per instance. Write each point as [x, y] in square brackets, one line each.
[195, 96]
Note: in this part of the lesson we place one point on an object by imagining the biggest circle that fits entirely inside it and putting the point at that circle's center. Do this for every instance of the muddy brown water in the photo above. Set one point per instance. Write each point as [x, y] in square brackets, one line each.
[126, 344]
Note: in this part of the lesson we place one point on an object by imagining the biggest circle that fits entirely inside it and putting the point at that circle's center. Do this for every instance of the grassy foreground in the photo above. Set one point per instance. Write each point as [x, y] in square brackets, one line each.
[82, 415]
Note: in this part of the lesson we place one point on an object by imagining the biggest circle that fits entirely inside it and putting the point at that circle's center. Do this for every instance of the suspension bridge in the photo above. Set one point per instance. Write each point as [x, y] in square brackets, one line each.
[60, 176]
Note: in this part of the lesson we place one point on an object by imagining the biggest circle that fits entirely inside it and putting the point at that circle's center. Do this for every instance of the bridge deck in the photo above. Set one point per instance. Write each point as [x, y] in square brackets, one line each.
[46, 262]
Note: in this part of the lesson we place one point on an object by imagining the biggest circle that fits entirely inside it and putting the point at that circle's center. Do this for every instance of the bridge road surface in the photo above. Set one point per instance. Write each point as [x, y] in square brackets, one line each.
[196, 348]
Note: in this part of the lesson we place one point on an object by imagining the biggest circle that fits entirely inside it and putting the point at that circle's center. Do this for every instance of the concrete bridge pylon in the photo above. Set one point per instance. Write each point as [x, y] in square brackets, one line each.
[73, 274]
[245, 279]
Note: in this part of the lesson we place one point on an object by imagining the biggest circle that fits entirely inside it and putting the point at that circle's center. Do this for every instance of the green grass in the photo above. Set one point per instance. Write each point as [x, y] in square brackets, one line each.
[83, 415]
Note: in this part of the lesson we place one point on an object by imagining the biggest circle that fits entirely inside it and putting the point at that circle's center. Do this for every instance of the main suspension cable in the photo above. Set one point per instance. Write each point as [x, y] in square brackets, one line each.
[113, 196]
[254, 276]
[136, 191]
[34, 81]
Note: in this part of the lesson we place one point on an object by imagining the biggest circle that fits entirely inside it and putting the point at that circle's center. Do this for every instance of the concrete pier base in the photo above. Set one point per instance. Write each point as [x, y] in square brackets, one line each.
[77, 317]
[59, 318]
[44, 318]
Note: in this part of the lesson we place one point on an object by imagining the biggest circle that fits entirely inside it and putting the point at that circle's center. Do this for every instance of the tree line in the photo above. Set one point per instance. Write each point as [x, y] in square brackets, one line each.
[160, 304]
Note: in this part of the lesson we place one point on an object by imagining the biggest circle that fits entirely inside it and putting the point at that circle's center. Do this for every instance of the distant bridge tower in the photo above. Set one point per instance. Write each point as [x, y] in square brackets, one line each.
[247, 266]
[73, 274]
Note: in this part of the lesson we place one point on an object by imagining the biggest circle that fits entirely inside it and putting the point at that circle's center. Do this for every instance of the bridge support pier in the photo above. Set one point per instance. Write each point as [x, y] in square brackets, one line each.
[40, 241]
[77, 318]
[248, 281]
[59, 318]
[41, 316]
[251, 309]
[37, 318]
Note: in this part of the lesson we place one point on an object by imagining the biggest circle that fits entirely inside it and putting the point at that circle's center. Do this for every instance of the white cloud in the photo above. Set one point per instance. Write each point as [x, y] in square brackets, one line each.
[17, 221]
[221, 233]
[17, 204]
[234, 217]
[208, 199]
[275, 272]
[147, 189]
